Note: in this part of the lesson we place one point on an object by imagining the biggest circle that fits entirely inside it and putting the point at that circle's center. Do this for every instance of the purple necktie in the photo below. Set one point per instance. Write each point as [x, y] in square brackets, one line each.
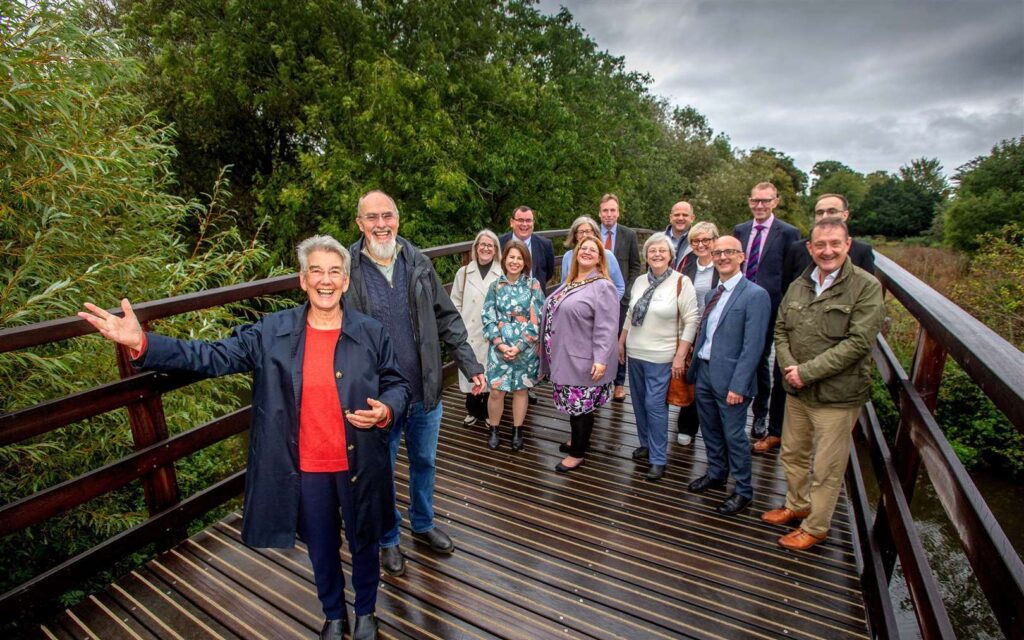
[755, 253]
[707, 312]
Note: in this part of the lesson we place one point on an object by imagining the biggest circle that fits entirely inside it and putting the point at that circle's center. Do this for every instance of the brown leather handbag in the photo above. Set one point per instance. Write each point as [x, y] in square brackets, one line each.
[680, 392]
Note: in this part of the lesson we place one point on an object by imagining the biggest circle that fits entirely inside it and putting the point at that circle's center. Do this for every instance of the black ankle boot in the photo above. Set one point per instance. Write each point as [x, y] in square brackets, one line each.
[493, 441]
[517, 438]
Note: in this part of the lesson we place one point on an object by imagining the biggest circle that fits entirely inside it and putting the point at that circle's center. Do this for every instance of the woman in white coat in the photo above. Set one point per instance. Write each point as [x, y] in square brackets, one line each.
[468, 293]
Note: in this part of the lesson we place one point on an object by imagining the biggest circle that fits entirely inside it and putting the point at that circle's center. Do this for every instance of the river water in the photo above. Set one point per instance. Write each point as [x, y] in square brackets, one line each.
[965, 602]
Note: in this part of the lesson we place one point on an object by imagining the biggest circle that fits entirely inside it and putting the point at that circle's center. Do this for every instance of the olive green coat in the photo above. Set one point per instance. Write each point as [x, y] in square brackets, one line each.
[830, 336]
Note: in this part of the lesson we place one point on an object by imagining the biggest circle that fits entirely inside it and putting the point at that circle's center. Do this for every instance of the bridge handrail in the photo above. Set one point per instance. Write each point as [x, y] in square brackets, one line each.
[992, 362]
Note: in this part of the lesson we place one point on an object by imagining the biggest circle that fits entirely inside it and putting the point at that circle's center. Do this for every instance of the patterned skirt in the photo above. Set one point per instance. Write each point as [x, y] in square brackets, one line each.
[577, 401]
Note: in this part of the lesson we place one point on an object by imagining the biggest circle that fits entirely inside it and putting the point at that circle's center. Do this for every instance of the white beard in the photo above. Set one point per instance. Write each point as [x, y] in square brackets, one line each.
[383, 250]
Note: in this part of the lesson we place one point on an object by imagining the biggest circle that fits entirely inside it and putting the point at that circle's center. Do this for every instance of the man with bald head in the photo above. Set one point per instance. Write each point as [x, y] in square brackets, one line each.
[680, 219]
[395, 283]
[730, 340]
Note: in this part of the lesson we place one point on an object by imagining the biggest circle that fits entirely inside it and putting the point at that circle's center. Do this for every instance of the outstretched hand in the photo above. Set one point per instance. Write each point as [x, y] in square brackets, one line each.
[126, 330]
[369, 418]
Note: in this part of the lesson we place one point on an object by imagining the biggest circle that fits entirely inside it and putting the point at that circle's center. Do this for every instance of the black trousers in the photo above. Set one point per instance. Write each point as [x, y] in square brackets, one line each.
[325, 503]
[476, 406]
[689, 423]
[582, 426]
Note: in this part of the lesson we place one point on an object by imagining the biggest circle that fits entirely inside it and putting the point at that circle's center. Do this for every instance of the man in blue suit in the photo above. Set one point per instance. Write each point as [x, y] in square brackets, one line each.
[542, 252]
[730, 339]
[765, 240]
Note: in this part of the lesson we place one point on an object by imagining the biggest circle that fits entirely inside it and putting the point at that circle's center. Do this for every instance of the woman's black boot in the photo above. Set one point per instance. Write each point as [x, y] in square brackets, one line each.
[493, 441]
[517, 438]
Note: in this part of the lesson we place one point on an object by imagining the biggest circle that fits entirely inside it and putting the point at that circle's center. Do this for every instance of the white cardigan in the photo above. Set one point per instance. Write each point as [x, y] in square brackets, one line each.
[656, 339]
[468, 293]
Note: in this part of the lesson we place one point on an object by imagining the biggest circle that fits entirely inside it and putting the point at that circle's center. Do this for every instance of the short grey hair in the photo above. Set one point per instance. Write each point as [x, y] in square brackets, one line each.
[661, 237]
[570, 240]
[704, 227]
[321, 243]
[486, 233]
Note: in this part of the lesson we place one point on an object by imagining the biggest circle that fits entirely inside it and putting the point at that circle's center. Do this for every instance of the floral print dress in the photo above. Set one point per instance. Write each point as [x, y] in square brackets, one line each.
[511, 316]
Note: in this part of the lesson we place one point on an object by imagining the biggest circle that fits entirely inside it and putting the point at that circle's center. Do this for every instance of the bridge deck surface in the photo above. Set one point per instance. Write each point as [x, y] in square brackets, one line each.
[599, 553]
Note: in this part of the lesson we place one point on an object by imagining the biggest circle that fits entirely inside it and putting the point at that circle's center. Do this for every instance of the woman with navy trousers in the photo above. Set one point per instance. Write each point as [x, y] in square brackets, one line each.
[326, 386]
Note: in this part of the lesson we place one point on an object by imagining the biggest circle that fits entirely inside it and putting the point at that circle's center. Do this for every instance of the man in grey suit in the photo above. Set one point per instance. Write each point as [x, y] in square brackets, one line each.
[621, 240]
[730, 339]
[765, 240]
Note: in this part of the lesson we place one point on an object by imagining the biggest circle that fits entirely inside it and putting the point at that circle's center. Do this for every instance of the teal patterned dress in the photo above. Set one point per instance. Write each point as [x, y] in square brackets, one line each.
[511, 316]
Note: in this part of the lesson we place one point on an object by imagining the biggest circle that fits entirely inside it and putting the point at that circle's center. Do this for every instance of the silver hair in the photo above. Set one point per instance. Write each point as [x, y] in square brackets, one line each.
[321, 243]
[570, 240]
[704, 227]
[661, 237]
[359, 203]
[486, 233]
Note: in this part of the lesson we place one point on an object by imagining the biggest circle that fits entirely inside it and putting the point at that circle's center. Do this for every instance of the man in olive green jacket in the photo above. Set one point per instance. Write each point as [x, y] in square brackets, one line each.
[827, 324]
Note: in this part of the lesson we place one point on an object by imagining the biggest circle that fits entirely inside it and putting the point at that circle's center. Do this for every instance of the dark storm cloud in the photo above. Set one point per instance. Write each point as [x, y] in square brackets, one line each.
[872, 84]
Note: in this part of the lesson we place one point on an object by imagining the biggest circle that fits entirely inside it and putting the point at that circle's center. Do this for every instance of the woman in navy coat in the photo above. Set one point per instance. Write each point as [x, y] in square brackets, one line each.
[342, 461]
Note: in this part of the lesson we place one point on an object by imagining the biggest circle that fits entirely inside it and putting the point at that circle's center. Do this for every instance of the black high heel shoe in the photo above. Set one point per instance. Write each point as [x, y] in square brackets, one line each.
[493, 441]
[517, 438]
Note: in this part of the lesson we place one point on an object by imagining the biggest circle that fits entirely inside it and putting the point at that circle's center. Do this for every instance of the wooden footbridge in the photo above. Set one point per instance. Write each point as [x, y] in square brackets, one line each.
[598, 553]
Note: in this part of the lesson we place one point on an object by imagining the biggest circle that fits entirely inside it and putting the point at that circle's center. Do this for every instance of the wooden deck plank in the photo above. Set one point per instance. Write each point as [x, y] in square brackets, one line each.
[599, 553]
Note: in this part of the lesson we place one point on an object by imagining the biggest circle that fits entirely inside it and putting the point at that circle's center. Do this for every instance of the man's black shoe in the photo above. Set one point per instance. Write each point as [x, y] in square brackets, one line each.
[656, 472]
[334, 629]
[640, 454]
[705, 482]
[531, 397]
[366, 627]
[759, 429]
[733, 504]
[392, 560]
[437, 539]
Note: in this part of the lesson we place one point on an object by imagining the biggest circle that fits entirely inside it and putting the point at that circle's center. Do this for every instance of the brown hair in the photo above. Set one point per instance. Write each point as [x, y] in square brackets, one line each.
[846, 205]
[602, 261]
[611, 196]
[520, 246]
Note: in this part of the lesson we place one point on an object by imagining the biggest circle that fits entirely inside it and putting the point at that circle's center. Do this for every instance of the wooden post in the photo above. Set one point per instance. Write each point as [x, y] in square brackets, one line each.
[926, 370]
[149, 426]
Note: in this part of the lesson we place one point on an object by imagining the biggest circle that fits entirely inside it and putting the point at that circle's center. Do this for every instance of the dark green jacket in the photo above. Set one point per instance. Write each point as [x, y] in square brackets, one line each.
[830, 336]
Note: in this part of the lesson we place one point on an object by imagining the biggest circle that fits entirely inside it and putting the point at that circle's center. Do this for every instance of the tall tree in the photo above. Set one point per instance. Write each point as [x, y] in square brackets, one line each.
[990, 195]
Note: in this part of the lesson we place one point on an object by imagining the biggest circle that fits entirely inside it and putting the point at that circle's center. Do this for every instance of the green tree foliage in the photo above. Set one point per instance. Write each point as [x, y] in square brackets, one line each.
[927, 172]
[461, 110]
[84, 215]
[895, 208]
[834, 177]
[990, 195]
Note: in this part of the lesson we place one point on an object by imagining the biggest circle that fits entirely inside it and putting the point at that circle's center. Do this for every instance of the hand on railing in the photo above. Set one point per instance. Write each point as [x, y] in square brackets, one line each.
[126, 330]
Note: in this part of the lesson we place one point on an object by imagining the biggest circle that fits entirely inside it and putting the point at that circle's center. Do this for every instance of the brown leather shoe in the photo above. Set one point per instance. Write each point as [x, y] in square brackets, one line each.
[800, 540]
[767, 443]
[619, 394]
[783, 516]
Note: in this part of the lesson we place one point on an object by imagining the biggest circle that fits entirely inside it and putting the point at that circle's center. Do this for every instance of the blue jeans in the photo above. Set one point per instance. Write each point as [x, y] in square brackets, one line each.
[620, 373]
[420, 428]
[648, 383]
[725, 438]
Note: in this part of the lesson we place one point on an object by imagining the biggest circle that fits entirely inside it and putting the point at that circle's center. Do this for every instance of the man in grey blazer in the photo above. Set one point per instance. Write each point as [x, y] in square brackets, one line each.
[730, 339]
[621, 240]
[765, 240]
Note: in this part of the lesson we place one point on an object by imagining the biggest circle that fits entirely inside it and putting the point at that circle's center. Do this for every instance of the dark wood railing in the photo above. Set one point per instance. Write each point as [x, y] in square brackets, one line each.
[885, 536]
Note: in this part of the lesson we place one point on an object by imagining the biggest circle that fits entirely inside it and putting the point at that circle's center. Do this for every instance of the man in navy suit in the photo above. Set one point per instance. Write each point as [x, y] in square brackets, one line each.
[620, 240]
[798, 258]
[730, 339]
[765, 240]
[542, 252]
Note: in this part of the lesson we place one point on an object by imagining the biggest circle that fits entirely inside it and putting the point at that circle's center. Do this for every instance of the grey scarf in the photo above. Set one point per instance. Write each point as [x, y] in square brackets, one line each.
[640, 308]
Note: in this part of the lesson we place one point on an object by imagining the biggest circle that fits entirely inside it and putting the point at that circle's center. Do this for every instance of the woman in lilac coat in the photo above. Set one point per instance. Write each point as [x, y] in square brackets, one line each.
[579, 348]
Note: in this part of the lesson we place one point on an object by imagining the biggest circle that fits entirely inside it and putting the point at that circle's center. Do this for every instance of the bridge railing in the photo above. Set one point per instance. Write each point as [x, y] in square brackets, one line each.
[885, 535]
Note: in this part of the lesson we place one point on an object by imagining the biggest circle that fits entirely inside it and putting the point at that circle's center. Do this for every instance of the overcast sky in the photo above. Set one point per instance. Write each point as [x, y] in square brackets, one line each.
[872, 84]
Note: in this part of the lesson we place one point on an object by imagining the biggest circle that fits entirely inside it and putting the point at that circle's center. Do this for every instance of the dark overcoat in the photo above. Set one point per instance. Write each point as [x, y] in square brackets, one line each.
[273, 349]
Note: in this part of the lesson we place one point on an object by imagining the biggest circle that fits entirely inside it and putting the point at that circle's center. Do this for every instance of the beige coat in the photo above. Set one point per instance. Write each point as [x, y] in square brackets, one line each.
[468, 292]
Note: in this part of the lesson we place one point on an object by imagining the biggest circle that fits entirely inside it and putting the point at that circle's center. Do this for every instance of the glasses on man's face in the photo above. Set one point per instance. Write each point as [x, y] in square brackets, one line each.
[831, 211]
[718, 253]
[372, 218]
[761, 201]
[697, 241]
[522, 220]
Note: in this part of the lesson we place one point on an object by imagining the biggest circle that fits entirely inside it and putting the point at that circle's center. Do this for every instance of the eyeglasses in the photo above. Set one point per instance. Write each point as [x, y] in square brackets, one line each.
[761, 201]
[486, 245]
[334, 273]
[372, 218]
[831, 211]
[696, 241]
[718, 253]
[523, 220]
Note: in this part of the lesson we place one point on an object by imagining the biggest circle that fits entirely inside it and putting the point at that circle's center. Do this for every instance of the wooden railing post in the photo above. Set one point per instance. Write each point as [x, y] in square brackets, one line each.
[926, 370]
[149, 426]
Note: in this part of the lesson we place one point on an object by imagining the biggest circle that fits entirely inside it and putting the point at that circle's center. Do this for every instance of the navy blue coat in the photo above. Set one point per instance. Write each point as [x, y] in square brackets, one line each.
[773, 255]
[273, 349]
[738, 342]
